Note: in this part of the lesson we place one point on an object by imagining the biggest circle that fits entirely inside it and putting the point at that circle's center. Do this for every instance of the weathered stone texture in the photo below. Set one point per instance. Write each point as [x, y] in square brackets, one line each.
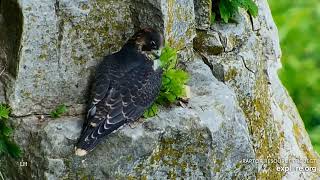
[238, 112]
[59, 42]
[203, 11]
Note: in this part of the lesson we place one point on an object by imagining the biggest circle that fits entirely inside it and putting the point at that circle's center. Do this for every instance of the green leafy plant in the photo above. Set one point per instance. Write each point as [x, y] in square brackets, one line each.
[226, 9]
[6, 145]
[151, 111]
[60, 110]
[172, 89]
[173, 81]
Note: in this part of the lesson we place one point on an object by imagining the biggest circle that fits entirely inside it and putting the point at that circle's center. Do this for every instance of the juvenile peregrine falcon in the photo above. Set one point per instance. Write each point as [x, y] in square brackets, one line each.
[127, 82]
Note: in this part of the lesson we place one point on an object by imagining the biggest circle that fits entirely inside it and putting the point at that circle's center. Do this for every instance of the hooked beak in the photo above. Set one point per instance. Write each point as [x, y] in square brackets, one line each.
[156, 53]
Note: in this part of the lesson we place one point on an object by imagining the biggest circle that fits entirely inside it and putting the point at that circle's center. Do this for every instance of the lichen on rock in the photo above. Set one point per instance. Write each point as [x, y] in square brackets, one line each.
[239, 114]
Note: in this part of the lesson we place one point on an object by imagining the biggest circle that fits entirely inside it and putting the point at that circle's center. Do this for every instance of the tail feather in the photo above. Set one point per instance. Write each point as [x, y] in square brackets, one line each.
[91, 136]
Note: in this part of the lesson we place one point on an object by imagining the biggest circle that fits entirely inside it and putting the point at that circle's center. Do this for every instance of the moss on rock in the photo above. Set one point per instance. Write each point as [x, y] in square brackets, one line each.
[208, 43]
[179, 154]
[265, 134]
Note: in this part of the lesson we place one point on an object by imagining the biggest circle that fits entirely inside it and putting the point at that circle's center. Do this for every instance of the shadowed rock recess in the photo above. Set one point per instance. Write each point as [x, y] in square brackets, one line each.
[240, 122]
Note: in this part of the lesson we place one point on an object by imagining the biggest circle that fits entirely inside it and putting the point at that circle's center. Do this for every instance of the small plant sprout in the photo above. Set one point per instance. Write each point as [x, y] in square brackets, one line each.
[58, 111]
[7, 146]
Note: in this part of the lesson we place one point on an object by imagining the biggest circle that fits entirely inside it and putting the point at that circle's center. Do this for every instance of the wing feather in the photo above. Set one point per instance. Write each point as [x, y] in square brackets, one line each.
[125, 100]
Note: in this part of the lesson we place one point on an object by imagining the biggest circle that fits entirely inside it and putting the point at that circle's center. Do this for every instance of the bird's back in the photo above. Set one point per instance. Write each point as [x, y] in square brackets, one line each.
[126, 84]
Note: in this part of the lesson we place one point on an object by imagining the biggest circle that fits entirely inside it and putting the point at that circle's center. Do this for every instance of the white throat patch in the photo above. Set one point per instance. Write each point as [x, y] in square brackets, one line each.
[156, 64]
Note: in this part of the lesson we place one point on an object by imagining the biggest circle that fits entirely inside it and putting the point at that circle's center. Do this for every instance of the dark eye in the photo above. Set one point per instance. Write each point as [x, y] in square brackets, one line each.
[153, 44]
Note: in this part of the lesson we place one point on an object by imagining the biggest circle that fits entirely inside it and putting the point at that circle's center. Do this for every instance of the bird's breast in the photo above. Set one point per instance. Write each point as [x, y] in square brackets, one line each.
[156, 64]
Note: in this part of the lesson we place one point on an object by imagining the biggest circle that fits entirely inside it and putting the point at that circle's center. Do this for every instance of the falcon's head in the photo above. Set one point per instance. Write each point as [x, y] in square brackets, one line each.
[149, 41]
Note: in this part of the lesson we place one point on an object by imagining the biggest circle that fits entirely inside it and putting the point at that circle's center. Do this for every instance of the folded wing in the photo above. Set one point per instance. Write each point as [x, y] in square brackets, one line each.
[126, 97]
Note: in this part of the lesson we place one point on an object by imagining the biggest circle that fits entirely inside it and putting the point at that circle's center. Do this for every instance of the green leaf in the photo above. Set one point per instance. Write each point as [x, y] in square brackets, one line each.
[171, 97]
[225, 12]
[61, 109]
[173, 81]
[7, 131]
[151, 111]
[6, 145]
[250, 6]
[4, 111]
[14, 150]
[168, 58]
[3, 146]
[229, 8]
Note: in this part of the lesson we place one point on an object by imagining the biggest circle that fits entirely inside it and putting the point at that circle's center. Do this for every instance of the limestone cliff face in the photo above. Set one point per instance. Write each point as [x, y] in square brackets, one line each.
[239, 114]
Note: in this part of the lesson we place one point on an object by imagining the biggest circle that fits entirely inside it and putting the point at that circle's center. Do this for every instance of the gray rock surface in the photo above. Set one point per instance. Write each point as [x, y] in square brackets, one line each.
[203, 9]
[208, 42]
[239, 114]
[179, 142]
[3, 57]
[61, 42]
